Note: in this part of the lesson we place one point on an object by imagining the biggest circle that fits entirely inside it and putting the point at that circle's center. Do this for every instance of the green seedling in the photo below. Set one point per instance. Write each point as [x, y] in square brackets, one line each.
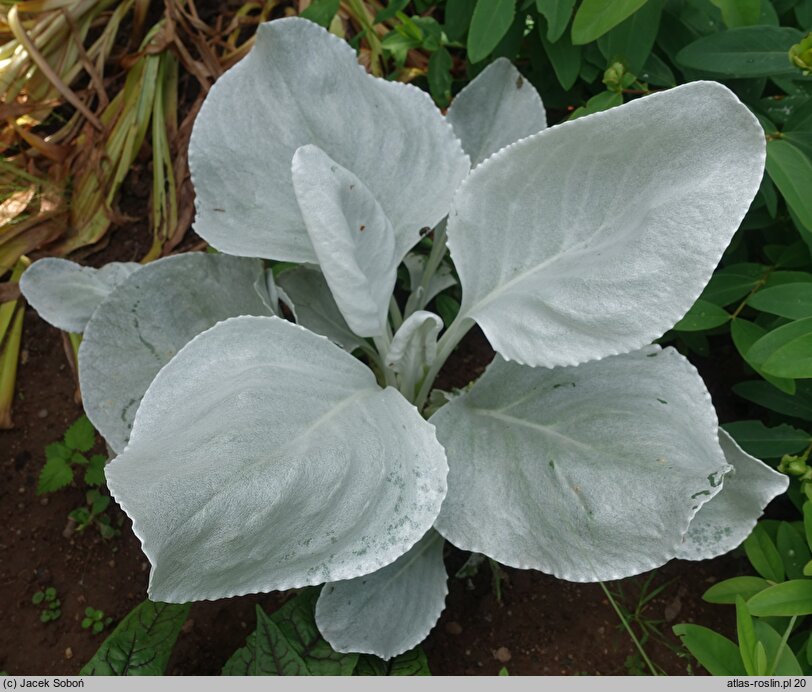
[51, 605]
[63, 458]
[93, 514]
[94, 620]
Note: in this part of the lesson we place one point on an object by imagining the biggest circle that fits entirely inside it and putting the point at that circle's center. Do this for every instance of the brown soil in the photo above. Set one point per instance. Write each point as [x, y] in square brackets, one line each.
[541, 626]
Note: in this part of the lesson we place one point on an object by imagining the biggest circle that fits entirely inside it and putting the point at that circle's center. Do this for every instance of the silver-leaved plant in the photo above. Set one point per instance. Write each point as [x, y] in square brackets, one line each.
[255, 454]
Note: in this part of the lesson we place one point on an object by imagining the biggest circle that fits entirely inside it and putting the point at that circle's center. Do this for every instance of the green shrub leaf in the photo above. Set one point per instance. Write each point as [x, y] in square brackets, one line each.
[792, 597]
[489, 23]
[595, 17]
[716, 653]
[142, 642]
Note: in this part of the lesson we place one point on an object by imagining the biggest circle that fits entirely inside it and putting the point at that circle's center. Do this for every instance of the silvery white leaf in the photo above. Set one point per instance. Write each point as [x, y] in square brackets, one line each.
[351, 236]
[414, 348]
[315, 306]
[65, 294]
[148, 319]
[389, 611]
[725, 521]
[271, 294]
[498, 107]
[589, 473]
[442, 279]
[301, 85]
[264, 457]
[595, 236]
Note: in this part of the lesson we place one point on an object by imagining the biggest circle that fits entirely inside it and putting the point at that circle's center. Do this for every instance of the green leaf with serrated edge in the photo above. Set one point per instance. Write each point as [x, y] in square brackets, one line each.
[767, 443]
[56, 474]
[557, 13]
[564, 57]
[793, 301]
[733, 283]
[763, 555]
[793, 549]
[412, 662]
[785, 351]
[791, 170]
[321, 11]
[798, 405]
[702, 315]
[269, 652]
[726, 591]
[744, 335]
[631, 41]
[142, 642]
[458, 18]
[595, 17]
[294, 623]
[81, 436]
[489, 23]
[739, 13]
[747, 636]
[750, 51]
[94, 474]
[439, 77]
[715, 652]
[789, 598]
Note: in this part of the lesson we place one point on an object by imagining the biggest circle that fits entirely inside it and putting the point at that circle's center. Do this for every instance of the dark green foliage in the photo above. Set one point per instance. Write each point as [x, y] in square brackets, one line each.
[142, 642]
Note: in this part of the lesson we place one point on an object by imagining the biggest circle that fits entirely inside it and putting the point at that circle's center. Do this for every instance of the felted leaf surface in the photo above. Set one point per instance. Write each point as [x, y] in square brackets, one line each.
[351, 236]
[289, 466]
[567, 243]
[498, 107]
[442, 279]
[301, 85]
[148, 319]
[594, 471]
[65, 294]
[142, 642]
[414, 347]
[389, 611]
[315, 306]
[291, 631]
[725, 521]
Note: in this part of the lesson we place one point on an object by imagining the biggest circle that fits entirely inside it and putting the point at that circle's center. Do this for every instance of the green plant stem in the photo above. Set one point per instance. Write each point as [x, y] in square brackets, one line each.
[382, 344]
[629, 630]
[394, 314]
[445, 347]
[436, 255]
[783, 644]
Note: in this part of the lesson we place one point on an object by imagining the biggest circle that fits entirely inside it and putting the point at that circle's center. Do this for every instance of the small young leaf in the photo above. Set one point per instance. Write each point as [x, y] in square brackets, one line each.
[595, 17]
[716, 653]
[792, 597]
[490, 22]
[388, 12]
[764, 556]
[81, 436]
[142, 642]
[38, 598]
[728, 590]
[600, 102]
[56, 474]
[94, 474]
